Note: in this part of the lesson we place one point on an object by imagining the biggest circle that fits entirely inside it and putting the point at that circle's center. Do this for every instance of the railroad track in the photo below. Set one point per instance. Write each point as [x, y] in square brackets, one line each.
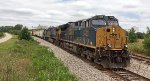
[117, 74]
[127, 75]
[142, 58]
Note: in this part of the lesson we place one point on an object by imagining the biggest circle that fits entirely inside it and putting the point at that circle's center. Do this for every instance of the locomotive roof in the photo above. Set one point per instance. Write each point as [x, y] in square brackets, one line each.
[50, 28]
[99, 16]
[64, 26]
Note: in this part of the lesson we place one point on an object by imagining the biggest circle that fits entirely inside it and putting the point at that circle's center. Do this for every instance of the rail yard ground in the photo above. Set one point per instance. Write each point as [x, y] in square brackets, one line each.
[28, 61]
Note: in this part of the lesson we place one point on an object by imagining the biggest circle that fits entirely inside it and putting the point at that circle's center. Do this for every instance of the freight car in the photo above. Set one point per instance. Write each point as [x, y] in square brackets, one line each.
[38, 32]
[99, 38]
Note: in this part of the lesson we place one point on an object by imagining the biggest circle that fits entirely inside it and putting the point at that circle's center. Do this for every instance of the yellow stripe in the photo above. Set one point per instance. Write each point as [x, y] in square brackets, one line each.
[116, 49]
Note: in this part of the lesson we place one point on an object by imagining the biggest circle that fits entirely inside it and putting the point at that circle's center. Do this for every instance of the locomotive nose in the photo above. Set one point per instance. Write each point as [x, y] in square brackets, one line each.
[115, 37]
[111, 37]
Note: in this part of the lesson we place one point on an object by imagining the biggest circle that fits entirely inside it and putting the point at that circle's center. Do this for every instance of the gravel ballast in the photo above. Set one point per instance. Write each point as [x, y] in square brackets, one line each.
[81, 69]
[139, 67]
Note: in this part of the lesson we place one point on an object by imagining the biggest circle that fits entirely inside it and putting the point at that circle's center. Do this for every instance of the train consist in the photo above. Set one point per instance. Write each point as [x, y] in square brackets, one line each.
[99, 38]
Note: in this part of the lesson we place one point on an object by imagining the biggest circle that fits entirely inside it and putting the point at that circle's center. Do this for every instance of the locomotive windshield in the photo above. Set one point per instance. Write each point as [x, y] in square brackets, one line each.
[99, 22]
[113, 22]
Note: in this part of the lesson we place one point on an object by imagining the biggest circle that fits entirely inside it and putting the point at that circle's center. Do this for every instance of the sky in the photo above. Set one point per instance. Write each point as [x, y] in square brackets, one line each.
[56, 12]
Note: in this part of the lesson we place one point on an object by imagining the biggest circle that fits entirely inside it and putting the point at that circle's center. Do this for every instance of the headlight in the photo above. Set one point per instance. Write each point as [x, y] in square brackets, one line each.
[126, 45]
[113, 29]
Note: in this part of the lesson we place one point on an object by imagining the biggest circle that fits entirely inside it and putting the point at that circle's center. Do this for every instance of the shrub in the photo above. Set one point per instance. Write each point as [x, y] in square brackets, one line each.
[147, 41]
[25, 34]
[15, 32]
[136, 47]
[18, 27]
[1, 34]
[140, 35]
[132, 36]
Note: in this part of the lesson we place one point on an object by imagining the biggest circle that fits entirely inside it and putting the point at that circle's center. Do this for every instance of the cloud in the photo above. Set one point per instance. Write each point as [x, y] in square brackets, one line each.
[130, 6]
[55, 12]
[23, 12]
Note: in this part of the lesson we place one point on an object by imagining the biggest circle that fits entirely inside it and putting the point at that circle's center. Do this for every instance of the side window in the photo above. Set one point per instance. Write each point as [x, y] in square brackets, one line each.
[76, 23]
[82, 24]
[87, 23]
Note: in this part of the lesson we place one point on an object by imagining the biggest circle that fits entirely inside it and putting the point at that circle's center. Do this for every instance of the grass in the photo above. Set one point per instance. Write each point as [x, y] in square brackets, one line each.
[28, 61]
[137, 47]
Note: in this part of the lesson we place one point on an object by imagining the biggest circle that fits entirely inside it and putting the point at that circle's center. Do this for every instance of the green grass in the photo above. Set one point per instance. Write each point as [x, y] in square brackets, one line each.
[28, 61]
[137, 47]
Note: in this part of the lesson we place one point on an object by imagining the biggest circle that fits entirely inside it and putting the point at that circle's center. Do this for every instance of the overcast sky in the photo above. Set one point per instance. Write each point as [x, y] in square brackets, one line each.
[55, 12]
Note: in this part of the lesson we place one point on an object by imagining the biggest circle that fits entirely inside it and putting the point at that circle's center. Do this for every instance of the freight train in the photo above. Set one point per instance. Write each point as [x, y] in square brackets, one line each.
[99, 39]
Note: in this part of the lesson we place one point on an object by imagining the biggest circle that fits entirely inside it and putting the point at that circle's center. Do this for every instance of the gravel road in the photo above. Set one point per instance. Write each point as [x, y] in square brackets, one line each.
[82, 70]
[5, 38]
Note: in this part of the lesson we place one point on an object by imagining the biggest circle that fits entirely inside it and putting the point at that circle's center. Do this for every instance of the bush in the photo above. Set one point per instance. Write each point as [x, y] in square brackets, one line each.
[147, 41]
[25, 34]
[1, 34]
[18, 27]
[140, 35]
[11, 29]
[15, 32]
[136, 47]
[132, 36]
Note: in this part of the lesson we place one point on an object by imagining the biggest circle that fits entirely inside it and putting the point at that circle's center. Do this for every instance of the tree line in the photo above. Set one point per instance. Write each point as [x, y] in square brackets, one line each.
[20, 30]
[12, 29]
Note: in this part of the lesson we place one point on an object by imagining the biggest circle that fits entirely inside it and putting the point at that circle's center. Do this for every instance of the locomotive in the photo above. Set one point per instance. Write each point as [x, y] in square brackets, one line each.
[99, 39]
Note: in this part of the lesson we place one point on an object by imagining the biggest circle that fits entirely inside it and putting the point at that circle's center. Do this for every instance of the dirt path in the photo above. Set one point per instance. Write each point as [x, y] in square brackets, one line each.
[5, 38]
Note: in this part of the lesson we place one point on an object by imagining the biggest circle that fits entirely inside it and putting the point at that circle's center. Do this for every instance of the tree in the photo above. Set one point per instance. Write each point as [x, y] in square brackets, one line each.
[18, 27]
[147, 41]
[132, 36]
[5, 28]
[140, 35]
[25, 34]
